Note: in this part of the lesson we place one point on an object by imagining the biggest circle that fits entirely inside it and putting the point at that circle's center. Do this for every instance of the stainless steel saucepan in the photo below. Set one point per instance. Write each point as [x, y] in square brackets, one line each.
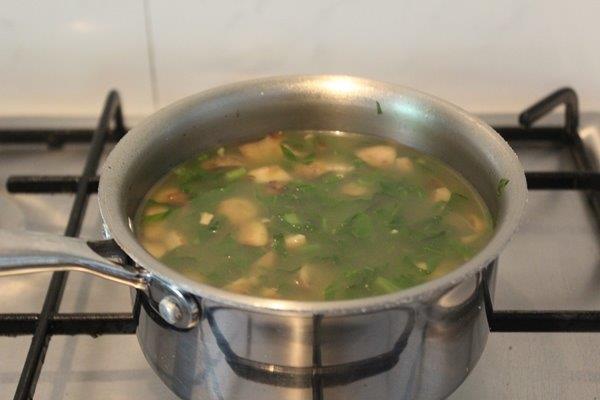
[207, 343]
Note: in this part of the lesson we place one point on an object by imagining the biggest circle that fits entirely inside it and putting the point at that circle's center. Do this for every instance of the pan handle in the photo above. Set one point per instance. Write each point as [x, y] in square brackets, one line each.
[23, 252]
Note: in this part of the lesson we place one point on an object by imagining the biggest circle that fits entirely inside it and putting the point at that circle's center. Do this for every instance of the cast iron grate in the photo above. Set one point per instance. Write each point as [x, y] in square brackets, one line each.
[49, 322]
[111, 128]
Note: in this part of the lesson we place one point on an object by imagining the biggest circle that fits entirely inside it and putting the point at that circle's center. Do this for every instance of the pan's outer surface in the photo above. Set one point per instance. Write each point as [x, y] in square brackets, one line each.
[419, 343]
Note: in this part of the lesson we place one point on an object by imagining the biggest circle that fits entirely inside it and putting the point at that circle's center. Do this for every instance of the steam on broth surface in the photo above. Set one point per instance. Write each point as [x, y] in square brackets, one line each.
[312, 215]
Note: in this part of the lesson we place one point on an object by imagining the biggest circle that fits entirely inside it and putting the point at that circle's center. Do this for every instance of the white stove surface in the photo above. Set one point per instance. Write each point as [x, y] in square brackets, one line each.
[553, 262]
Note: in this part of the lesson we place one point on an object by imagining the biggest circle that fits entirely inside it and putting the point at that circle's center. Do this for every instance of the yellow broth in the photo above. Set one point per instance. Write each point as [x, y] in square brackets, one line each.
[312, 215]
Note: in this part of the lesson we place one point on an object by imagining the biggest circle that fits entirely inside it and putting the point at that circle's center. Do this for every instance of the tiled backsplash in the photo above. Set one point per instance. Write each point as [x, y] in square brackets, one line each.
[59, 58]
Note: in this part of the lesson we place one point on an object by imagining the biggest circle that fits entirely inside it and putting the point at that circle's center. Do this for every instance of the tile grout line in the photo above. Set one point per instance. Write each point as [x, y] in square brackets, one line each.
[151, 55]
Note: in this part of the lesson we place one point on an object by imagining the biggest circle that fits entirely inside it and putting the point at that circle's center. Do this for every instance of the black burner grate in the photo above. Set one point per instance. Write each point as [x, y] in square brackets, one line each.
[111, 128]
[48, 322]
[584, 179]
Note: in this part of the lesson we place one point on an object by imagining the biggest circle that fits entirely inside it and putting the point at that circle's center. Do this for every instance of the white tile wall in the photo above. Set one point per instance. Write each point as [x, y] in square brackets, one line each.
[485, 56]
[61, 57]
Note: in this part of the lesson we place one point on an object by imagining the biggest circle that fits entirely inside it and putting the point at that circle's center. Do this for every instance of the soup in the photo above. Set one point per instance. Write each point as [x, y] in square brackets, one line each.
[312, 215]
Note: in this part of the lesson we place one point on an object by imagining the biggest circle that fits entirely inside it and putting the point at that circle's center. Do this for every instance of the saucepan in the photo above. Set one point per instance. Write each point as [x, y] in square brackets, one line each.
[207, 343]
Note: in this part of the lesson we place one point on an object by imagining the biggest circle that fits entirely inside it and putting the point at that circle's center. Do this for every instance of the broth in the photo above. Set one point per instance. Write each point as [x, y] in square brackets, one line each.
[313, 215]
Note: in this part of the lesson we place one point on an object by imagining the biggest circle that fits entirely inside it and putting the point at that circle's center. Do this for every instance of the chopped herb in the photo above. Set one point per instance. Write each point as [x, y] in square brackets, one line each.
[189, 175]
[460, 249]
[308, 159]
[324, 224]
[434, 236]
[203, 157]
[456, 199]
[158, 216]
[357, 162]
[359, 276]
[378, 108]
[311, 248]
[330, 292]
[291, 156]
[400, 189]
[396, 222]
[424, 165]
[361, 226]
[427, 228]
[331, 179]
[214, 225]
[279, 243]
[333, 258]
[385, 285]
[235, 174]
[288, 153]
[502, 183]
[292, 219]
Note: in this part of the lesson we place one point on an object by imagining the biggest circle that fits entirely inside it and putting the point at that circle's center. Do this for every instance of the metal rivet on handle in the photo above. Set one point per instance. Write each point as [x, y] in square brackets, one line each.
[170, 309]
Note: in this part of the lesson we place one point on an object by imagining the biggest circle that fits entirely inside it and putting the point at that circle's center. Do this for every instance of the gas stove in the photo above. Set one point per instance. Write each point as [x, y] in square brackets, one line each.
[72, 335]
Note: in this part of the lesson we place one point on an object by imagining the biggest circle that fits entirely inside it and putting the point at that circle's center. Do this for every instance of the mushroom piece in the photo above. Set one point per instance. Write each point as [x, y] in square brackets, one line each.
[466, 223]
[156, 209]
[441, 194]
[422, 266]
[404, 165]
[380, 156]
[237, 210]
[306, 276]
[157, 250]
[173, 239]
[271, 173]
[340, 168]
[354, 189]
[252, 233]
[468, 239]
[170, 195]
[275, 187]
[476, 223]
[265, 150]
[294, 241]
[206, 218]
[222, 162]
[154, 231]
[318, 168]
[242, 285]
[267, 260]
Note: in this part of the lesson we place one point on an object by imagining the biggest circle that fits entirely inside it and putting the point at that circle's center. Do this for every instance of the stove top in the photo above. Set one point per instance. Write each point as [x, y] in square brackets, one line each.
[77, 341]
